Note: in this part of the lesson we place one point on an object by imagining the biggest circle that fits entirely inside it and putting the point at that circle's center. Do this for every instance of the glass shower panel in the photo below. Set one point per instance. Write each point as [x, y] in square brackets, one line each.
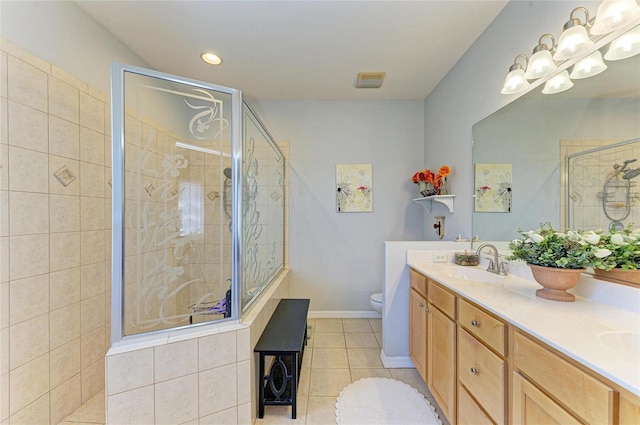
[262, 208]
[177, 238]
[602, 189]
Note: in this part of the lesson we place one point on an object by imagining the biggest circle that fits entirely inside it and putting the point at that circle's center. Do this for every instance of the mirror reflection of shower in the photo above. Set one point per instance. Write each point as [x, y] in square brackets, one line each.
[601, 187]
[616, 194]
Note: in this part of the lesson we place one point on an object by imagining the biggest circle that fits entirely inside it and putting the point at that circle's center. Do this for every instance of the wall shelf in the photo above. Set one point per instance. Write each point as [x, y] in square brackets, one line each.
[427, 201]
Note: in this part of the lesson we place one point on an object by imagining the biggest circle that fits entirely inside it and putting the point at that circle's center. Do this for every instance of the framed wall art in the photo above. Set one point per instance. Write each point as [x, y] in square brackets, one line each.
[354, 188]
[493, 191]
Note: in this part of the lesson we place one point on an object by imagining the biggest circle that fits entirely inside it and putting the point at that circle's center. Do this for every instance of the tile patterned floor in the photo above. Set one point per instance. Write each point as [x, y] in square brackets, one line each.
[340, 352]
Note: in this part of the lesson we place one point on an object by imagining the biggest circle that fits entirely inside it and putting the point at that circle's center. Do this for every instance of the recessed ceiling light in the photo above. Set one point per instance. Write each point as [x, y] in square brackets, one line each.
[211, 58]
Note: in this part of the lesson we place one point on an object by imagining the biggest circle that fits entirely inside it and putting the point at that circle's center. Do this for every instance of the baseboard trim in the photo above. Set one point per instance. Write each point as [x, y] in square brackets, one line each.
[367, 314]
[397, 362]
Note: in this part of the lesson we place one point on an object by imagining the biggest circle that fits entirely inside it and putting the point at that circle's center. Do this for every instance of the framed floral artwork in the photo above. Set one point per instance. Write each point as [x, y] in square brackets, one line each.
[354, 188]
[493, 191]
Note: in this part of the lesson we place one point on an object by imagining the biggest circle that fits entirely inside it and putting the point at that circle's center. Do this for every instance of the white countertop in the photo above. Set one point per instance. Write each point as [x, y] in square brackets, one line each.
[603, 337]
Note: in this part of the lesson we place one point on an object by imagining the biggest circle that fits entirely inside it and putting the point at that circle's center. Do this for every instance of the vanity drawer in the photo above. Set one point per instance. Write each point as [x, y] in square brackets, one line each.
[441, 298]
[468, 410]
[588, 398]
[484, 326]
[418, 282]
[483, 374]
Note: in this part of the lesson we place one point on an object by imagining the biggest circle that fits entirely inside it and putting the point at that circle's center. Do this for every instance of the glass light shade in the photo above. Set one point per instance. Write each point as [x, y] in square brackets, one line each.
[588, 67]
[612, 14]
[540, 65]
[573, 41]
[625, 46]
[515, 82]
[557, 84]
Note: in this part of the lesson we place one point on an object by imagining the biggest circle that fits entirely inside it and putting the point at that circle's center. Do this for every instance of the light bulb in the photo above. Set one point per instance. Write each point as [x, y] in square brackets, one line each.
[613, 14]
[515, 82]
[625, 46]
[540, 65]
[559, 83]
[589, 66]
[573, 42]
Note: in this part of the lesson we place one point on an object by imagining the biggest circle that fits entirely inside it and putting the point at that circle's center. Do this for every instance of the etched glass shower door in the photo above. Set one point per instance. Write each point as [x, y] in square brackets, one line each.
[176, 220]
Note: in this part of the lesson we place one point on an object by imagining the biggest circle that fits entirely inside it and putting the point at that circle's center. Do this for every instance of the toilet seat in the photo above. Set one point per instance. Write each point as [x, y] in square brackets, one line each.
[377, 297]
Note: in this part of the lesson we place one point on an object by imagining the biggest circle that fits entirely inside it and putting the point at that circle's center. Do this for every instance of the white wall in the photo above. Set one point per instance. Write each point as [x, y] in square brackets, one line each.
[471, 91]
[336, 259]
[64, 35]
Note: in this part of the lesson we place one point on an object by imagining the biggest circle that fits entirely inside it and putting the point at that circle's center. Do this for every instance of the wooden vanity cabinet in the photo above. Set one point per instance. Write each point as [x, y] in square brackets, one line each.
[442, 349]
[581, 396]
[482, 367]
[484, 370]
[418, 322]
[432, 339]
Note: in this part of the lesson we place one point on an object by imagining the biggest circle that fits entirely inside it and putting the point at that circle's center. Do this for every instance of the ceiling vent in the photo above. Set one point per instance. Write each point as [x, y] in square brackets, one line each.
[370, 80]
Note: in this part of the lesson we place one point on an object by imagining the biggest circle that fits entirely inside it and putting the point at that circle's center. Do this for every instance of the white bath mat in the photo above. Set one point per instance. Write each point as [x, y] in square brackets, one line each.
[383, 401]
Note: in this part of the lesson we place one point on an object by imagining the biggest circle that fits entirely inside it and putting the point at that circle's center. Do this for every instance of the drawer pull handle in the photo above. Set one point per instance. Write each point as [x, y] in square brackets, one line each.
[421, 305]
[474, 371]
[427, 310]
[475, 323]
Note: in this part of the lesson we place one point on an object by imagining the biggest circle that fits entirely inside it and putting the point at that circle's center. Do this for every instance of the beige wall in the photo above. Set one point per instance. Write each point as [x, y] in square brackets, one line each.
[54, 239]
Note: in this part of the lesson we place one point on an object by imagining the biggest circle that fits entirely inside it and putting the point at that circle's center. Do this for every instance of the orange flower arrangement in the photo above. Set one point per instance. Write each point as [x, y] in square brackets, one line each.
[425, 175]
[443, 172]
[428, 176]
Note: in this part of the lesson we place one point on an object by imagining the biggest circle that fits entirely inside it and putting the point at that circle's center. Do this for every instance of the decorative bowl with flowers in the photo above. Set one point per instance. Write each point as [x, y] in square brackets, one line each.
[623, 248]
[573, 249]
[557, 258]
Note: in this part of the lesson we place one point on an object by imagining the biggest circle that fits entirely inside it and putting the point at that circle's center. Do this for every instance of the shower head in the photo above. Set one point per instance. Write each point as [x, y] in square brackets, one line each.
[227, 172]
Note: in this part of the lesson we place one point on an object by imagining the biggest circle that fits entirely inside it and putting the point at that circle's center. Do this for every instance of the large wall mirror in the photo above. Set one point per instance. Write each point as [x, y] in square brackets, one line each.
[528, 143]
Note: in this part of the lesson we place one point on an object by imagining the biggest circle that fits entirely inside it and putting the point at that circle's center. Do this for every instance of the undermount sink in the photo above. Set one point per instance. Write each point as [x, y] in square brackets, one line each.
[470, 273]
[621, 341]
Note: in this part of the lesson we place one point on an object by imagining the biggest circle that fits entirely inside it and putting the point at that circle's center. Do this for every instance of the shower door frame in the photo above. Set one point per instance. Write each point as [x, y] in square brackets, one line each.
[118, 71]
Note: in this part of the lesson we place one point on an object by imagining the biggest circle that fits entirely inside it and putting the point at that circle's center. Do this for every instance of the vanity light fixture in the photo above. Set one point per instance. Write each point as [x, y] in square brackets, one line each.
[574, 39]
[515, 81]
[613, 14]
[557, 84]
[588, 67]
[625, 46]
[211, 58]
[541, 63]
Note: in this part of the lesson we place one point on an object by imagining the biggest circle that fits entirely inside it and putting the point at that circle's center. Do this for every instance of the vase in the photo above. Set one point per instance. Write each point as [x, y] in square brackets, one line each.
[555, 282]
[618, 274]
[443, 186]
[426, 189]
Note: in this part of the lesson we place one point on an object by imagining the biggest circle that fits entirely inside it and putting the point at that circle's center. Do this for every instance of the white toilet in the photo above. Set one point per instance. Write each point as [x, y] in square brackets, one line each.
[376, 301]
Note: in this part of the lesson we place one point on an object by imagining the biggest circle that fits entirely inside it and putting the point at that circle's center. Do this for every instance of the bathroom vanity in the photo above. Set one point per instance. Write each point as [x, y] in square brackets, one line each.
[491, 352]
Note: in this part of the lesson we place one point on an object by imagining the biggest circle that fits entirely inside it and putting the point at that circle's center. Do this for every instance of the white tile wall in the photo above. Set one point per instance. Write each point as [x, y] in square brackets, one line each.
[49, 361]
[210, 372]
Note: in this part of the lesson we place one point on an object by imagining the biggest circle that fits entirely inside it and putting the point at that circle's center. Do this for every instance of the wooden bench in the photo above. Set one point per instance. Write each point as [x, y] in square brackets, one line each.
[284, 337]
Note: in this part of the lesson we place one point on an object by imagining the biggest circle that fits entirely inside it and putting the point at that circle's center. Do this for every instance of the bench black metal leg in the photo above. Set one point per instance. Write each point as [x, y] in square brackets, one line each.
[294, 383]
[261, 397]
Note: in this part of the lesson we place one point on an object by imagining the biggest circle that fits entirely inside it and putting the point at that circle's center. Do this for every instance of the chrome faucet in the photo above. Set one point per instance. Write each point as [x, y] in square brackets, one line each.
[494, 264]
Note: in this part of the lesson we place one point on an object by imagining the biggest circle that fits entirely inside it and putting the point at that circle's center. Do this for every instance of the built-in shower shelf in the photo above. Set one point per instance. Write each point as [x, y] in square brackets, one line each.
[428, 201]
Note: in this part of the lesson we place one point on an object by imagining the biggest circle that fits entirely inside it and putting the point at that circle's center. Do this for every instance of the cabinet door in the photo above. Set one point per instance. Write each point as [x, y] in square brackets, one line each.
[483, 374]
[629, 411]
[532, 407]
[418, 327]
[442, 361]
